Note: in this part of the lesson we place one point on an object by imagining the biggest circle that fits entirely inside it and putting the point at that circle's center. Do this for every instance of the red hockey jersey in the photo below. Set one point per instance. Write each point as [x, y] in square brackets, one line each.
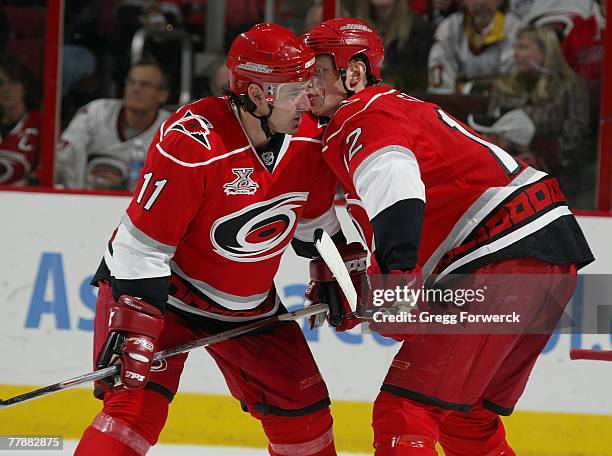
[208, 210]
[19, 151]
[480, 203]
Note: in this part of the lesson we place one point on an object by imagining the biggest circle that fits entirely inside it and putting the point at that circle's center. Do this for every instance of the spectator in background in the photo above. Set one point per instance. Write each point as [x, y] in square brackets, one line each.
[513, 131]
[218, 76]
[440, 10]
[555, 98]
[19, 124]
[314, 15]
[578, 23]
[82, 41]
[407, 38]
[556, 13]
[472, 46]
[107, 137]
[133, 15]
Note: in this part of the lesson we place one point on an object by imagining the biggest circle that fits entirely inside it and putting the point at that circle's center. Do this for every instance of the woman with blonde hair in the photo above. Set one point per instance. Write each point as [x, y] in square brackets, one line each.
[555, 98]
[406, 36]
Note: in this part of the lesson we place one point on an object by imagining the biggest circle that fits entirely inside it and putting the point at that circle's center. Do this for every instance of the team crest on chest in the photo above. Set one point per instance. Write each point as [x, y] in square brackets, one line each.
[243, 184]
[194, 126]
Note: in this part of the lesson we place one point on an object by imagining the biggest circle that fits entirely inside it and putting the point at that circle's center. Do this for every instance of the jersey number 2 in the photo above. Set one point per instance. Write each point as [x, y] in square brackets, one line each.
[354, 147]
[509, 164]
[159, 186]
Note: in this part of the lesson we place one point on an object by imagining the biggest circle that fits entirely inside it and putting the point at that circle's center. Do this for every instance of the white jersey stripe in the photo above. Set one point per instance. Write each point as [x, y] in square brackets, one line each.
[507, 240]
[483, 206]
[144, 238]
[303, 138]
[374, 98]
[133, 259]
[373, 179]
[204, 163]
[177, 303]
[328, 221]
[227, 300]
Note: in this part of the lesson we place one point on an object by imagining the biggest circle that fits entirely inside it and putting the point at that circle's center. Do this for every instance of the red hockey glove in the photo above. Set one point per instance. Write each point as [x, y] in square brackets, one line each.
[134, 328]
[406, 287]
[323, 287]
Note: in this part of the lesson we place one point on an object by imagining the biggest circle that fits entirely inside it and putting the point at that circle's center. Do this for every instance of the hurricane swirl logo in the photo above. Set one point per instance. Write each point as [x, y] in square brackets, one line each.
[259, 231]
[13, 167]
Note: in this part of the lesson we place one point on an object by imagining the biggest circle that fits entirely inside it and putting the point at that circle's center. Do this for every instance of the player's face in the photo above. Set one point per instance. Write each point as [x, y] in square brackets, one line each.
[285, 120]
[332, 85]
[527, 54]
[290, 101]
[12, 92]
[144, 90]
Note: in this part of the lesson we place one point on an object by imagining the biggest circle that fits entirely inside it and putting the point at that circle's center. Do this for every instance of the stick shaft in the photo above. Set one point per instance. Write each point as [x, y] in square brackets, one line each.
[114, 370]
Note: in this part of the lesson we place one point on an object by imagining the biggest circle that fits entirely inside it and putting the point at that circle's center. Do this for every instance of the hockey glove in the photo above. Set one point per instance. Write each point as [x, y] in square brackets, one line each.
[323, 287]
[406, 287]
[133, 332]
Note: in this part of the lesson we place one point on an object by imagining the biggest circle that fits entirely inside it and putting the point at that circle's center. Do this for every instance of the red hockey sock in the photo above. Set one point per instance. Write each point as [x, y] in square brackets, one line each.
[478, 432]
[100, 443]
[129, 424]
[310, 434]
[403, 427]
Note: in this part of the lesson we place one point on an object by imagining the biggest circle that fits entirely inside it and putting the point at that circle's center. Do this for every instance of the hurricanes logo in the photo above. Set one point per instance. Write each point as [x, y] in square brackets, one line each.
[194, 126]
[259, 231]
[13, 166]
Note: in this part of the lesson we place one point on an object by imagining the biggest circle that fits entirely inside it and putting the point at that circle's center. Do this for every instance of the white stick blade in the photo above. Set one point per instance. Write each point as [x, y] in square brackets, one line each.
[329, 252]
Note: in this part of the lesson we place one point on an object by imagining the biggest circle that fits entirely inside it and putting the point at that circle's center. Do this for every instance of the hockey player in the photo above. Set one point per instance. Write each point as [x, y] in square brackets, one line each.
[432, 198]
[225, 183]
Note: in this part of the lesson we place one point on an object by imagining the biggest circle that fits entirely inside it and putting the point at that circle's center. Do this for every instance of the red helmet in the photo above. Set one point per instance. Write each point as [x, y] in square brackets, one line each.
[345, 37]
[268, 53]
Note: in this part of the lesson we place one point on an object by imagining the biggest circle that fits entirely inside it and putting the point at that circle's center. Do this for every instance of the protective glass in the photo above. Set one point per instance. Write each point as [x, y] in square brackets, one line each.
[299, 96]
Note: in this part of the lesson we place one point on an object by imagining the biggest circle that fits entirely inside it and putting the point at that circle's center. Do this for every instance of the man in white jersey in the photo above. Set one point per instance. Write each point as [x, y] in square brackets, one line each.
[107, 136]
[475, 43]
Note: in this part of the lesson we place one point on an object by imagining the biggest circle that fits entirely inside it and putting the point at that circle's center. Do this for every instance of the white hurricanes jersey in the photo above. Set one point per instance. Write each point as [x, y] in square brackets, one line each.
[542, 12]
[93, 146]
[451, 58]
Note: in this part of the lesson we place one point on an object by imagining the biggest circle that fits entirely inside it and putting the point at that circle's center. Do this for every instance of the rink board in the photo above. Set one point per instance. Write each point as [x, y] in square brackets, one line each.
[52, 246]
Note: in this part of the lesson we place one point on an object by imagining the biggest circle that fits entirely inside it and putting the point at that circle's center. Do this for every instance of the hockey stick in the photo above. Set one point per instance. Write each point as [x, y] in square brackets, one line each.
[114, 370]
[597, 355]
[328, 251]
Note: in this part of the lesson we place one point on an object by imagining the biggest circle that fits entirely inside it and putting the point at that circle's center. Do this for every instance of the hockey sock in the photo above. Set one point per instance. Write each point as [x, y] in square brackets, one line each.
[478, 432]
[308, 435]
[129, 424]
[103, 444]
[403, 427]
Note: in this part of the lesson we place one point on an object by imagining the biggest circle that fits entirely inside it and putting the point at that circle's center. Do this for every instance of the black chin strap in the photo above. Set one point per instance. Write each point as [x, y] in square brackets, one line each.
[263, 120]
